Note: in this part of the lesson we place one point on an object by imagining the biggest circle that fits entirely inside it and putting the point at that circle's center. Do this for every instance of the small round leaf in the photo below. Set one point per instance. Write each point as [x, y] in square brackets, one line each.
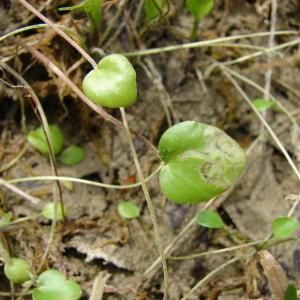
[128, 210]
[5, 219]
[290, 293]
[38, 140]
[199, 8]
[48, 211]
[283, 227]
[52, 285]
[113, 83]
[17, 270]
[201, 162]
[262, 105]
[72, 155]
[210, 219]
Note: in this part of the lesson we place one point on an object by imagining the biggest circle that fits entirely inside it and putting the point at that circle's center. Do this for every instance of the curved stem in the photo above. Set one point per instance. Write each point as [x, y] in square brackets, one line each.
[149, 203]
[203, 43]
[83, 181]
[59, 31]
[209, 276]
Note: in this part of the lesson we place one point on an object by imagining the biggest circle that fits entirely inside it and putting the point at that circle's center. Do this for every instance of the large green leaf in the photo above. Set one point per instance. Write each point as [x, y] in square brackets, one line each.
[210, 219]
[283, 227]
[201, 161]
[52, 285]
[199, 8]
[38, 140]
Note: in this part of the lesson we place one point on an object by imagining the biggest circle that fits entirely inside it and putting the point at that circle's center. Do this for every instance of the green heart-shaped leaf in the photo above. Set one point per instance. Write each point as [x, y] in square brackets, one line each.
[128, 210]
[201, 161]
[72, 155]
[17, 270]
[38, 140]
[113, 83]
[210, 219]
[199, 8]
[283, 227]
[52, 285]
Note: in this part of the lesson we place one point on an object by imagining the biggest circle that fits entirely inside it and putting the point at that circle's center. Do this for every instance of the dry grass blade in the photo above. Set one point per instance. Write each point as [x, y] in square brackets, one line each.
[274, 272]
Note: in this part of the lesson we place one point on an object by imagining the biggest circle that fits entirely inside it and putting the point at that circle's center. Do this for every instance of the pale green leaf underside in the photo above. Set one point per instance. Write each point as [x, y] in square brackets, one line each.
[48, 211]
[201, 161]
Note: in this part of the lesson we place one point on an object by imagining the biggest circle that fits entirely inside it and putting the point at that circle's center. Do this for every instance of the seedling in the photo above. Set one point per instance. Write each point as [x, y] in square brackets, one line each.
[290, 293]
[113, 83]
[72, 155]
[210, 219]
[92, 8]
[153, 9]
[199, 9]
[17, 270]
[283, 227]
[128, 210]
[263, 105]
[38, 140]
[52, 285]
[5, 219]
[48, 211]
[201, 161]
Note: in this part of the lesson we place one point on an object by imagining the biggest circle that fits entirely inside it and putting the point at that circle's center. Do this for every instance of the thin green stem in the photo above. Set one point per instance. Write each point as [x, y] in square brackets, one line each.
[24, 219]
[209, 276]
[202, 43]
[58, 31]
[194, 31]
[83, 181]
[17, 191]
[271, 132]
[217, 251]
[267, 126]
[261, 89]
[39, 26]
[149, 203]
[14, 160]
[138, 12]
